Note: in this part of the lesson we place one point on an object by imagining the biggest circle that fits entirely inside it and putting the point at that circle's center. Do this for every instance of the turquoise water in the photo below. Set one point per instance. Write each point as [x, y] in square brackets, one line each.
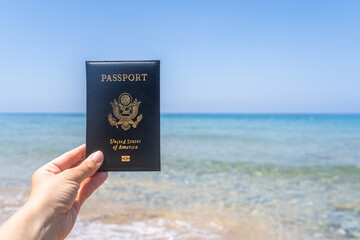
[301, 172]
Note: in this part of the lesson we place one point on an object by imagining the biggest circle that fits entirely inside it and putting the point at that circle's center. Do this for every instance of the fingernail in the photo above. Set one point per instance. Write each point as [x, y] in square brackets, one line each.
[97, 157]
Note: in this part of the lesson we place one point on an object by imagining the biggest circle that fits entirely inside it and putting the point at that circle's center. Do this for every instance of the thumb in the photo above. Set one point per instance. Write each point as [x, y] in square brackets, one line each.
[87, 168]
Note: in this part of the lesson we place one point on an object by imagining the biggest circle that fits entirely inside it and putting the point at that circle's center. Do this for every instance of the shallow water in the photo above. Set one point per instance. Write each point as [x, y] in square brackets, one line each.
[223, 176]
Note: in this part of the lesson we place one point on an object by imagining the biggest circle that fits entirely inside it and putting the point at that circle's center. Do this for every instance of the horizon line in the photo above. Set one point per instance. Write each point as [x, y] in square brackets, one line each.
[204, 113]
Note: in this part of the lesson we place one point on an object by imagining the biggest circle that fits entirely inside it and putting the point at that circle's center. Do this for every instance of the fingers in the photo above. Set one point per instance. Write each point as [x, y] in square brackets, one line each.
[89, 186]
[66, 160]
[86, 169]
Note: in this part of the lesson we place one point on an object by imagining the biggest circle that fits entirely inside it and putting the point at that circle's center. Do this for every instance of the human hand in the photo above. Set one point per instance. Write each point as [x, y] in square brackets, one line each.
[58, 190]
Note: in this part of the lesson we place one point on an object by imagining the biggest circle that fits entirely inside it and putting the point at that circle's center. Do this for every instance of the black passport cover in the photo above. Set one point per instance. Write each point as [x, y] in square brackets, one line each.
[123, 114]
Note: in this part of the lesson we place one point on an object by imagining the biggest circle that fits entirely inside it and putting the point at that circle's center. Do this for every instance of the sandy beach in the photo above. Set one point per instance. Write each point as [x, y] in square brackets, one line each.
[109, 220]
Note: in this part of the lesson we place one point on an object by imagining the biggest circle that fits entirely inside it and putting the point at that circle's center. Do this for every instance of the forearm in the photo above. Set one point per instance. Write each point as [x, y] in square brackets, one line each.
[26, 223]
[58, 189]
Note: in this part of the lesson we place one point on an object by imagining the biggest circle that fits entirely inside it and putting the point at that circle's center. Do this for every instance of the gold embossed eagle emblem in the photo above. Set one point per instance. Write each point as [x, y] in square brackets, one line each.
[125, 111]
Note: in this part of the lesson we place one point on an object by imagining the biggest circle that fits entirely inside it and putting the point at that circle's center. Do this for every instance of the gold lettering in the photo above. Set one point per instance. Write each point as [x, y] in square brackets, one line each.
[137, 77]
[108, 78]
[103, 77]
[118, 77]
[125, 76]
[133, 141]
[144, 76]
[131, 76]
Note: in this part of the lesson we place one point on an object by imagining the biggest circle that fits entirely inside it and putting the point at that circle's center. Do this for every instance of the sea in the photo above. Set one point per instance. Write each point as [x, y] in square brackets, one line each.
[223, 176]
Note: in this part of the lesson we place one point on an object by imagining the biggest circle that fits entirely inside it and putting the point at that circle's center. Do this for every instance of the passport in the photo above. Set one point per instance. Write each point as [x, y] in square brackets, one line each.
[123, 114]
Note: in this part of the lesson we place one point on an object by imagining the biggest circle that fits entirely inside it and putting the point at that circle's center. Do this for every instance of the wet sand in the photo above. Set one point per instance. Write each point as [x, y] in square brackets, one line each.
[104, 219]
[109, 221]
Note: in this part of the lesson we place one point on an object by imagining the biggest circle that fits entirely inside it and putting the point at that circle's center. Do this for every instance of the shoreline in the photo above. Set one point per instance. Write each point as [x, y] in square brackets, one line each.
[148, 223]
[110, 220]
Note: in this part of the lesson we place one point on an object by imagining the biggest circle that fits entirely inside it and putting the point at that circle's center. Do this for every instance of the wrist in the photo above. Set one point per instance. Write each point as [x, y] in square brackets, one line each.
[29, 222]
[37, 220]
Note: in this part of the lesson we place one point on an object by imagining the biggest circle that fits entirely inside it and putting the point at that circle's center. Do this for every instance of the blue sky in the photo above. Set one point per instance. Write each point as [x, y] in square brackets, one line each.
[216, 56]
